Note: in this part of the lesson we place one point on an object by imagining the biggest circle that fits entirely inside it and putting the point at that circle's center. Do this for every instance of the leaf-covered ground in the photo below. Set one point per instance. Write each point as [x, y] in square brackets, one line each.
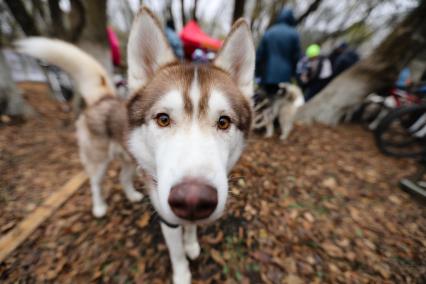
[323, 206]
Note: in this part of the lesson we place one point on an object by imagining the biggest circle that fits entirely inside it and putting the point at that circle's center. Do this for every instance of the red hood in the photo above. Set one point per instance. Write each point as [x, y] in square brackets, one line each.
[192, 35]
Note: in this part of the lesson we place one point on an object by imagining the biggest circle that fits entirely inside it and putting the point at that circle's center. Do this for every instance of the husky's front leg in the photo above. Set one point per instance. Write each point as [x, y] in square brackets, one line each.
[190, 242]
[286, 122]
[269, 130]
[180, 265]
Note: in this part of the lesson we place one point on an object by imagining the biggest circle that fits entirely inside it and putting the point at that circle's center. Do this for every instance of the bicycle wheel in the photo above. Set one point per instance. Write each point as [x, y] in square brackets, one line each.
[398, 133]
[369, 112]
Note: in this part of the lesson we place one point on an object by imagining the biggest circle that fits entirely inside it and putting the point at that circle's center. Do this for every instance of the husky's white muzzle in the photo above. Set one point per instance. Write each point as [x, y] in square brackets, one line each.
[192, 177]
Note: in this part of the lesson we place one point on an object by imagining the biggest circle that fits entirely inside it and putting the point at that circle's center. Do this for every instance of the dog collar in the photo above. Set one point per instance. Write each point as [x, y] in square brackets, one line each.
[174, 226]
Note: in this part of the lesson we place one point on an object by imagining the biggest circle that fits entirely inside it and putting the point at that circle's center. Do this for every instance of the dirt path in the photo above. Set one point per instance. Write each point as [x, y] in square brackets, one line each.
[322, 207]
[36, 157]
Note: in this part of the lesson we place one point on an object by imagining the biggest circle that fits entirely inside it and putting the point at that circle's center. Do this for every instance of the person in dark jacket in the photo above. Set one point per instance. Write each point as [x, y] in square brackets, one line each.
[278, 53]
[342, 58]
[337, 51]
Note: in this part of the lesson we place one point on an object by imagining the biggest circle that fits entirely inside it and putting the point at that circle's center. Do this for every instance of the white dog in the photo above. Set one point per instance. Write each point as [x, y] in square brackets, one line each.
[283, 105]
[184, 125]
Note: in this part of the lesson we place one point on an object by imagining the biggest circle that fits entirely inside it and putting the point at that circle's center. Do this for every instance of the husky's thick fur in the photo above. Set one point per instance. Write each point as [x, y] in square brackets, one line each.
[101, 127]
[283, 105]
[184, 125]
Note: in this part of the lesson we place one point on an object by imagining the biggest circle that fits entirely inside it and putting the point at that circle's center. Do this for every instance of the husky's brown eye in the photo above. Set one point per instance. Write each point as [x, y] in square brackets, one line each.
[224, 122]
[163, 119]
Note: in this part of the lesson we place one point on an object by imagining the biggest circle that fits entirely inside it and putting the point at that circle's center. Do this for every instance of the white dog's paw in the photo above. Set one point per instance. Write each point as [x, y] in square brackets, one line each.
[134, 196]
[182, 277]
[283, 137]
[99, 210]
[192, 250]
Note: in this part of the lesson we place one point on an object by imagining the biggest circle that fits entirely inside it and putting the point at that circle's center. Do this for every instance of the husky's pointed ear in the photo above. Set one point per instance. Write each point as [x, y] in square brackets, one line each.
[237, 56]
[147, 49]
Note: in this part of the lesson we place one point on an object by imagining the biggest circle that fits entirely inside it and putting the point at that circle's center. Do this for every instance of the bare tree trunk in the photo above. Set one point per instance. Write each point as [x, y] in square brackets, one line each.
[194, 11]
[169, 13]
[377, 71]
[56, 15]
[24, 19]
[182, 12]
[238, 10]
[40, 14]
[255, 13]
[255, 21]
[94, 37]
[11, 99]
[77, 20]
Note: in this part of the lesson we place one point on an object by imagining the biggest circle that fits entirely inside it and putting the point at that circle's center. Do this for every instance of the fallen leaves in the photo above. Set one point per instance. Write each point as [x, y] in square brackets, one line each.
[332, 250]
[293, 279]
[289, 265]
[217, 257]
[308, 216]
[213, 240]
[261, 257]
[144, 220]
[329, 183]
[395, 199]
[322, 207]
[383, 269]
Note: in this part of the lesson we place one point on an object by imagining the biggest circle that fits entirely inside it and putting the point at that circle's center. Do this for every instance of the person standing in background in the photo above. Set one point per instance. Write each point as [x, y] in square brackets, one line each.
[342, 58]
[174, 40]
[317, 73]
[278, 53]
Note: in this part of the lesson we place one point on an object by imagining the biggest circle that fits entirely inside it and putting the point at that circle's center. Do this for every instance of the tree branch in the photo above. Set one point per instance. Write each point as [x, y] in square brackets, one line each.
[56, 16]
[25, 21]
[338, 33]
[77, 19]
[238, 10]
[275, 10]
[194, 11]
[182, 12]
[312, 8]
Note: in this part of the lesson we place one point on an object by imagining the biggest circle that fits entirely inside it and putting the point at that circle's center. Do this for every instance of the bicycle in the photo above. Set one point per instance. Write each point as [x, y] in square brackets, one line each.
[402, 133]
[376, 106]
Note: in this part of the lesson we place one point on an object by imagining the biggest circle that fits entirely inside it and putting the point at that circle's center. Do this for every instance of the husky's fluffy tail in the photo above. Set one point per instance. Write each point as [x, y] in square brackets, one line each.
[90, 78]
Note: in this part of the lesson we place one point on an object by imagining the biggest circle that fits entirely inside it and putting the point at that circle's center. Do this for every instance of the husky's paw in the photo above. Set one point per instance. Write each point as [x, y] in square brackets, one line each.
[182, 277]
[99, 210]
[283, 137]
[134, 196]
[192, 250]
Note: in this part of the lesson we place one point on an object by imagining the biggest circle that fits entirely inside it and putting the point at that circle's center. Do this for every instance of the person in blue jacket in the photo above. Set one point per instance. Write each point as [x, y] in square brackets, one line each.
[174, 40]
[404, 79]
[278, 52]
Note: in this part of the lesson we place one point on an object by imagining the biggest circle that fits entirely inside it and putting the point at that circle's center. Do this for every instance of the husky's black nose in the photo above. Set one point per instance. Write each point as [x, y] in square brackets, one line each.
[193, 199]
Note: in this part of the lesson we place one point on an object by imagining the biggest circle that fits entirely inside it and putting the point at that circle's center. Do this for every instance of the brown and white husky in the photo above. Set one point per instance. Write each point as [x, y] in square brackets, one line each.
[184, 125]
